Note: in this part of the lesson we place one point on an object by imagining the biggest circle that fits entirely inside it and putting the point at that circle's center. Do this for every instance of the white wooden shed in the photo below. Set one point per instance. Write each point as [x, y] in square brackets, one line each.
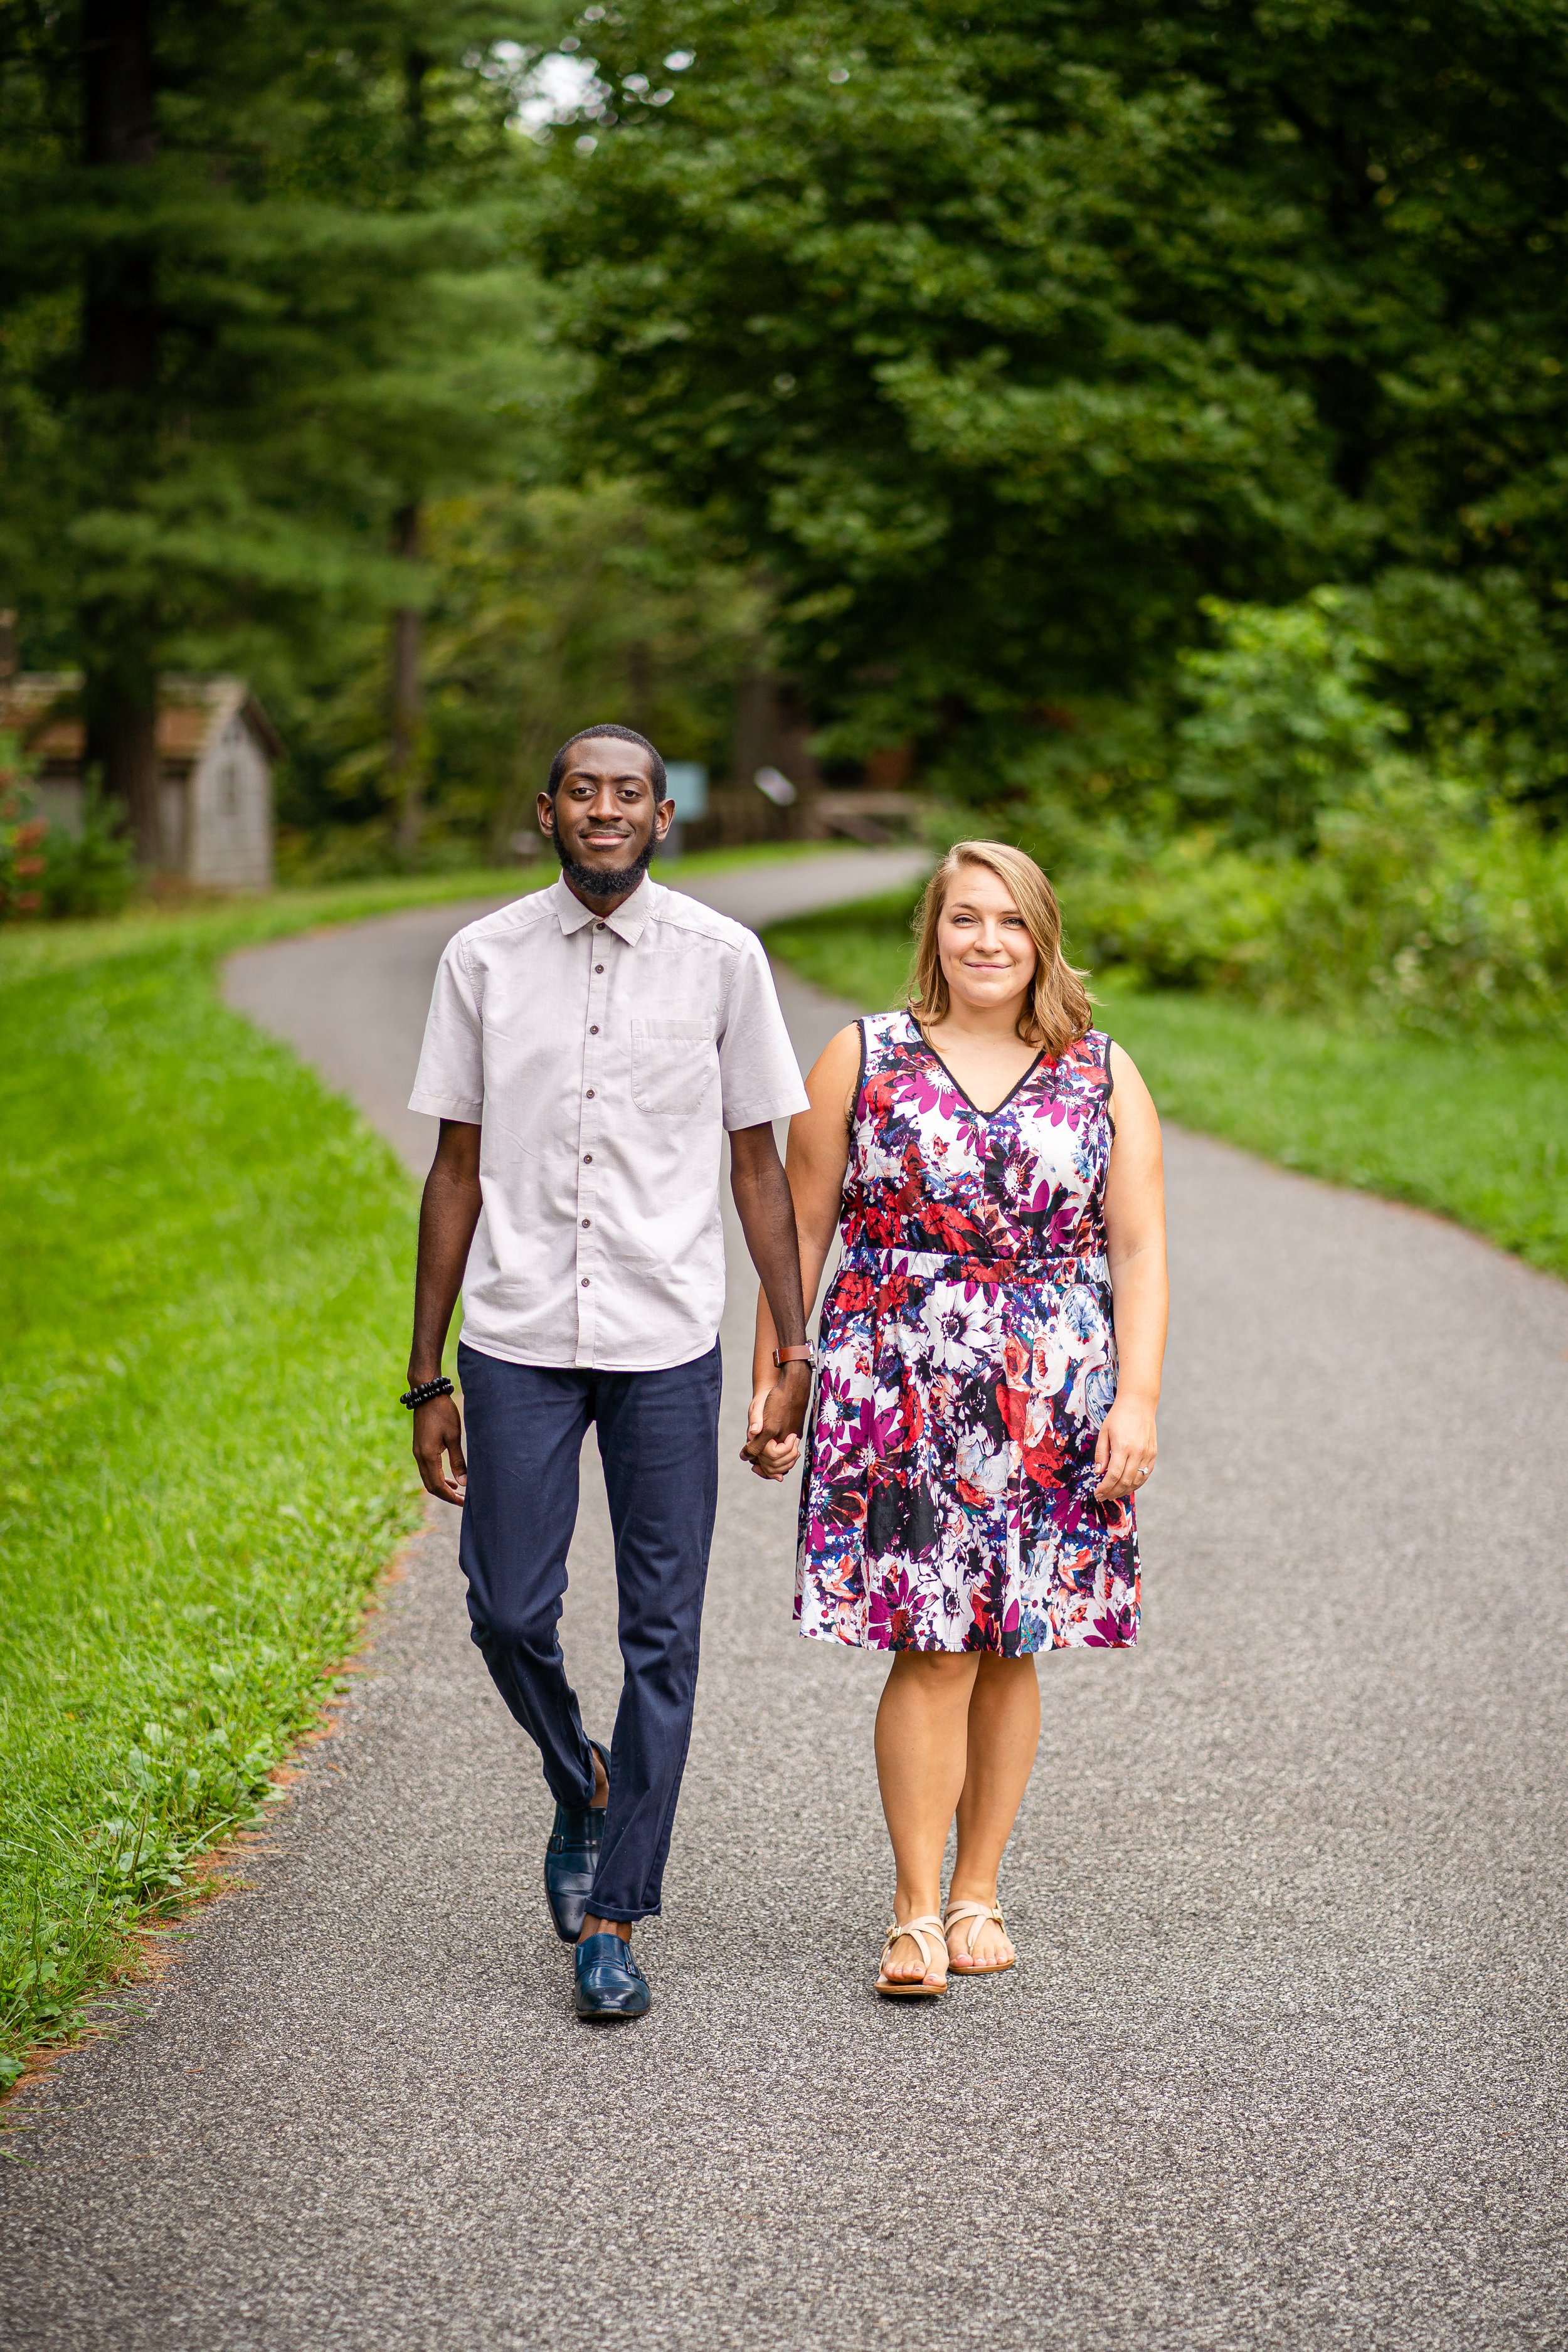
[216, 749]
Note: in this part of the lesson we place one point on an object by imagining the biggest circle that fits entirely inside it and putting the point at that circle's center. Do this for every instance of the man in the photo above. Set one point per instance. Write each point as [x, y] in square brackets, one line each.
[587, 1048]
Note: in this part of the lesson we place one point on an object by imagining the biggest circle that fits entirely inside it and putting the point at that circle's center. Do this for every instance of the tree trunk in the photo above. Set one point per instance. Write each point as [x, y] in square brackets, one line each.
[119, 707]
[406, 749]
[406, 700]
[120, 383]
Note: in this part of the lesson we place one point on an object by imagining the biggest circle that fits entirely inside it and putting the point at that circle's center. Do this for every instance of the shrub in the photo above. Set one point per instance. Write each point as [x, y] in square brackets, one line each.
[1418, 906]
[1294, 854]
[44, 871]
[22, 835]
[1282, 723]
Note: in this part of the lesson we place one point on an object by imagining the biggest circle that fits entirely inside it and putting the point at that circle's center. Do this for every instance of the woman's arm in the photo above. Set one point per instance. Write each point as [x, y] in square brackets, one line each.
[1135, 1246]
[817, 1158]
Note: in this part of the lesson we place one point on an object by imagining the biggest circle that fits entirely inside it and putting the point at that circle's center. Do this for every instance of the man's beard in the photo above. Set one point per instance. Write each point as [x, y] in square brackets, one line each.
[602, 881]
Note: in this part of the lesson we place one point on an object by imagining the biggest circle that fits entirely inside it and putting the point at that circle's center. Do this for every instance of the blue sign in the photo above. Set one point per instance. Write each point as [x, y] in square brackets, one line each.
[686, 785]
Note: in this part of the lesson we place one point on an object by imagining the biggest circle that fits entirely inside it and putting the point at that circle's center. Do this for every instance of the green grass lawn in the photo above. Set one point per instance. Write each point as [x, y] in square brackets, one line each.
[1477, 1130]
[206, 1266]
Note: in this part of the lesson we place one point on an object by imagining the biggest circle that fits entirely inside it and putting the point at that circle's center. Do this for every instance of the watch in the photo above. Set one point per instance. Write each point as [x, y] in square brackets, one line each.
[783, 1356]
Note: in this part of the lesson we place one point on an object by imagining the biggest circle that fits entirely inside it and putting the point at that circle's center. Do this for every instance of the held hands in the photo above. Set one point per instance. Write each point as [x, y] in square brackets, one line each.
[774, 1421]
[1125, 1453]
[437, 1430]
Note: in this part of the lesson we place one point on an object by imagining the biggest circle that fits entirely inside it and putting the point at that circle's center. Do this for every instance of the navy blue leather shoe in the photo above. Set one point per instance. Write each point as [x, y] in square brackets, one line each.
[609, 1981]
[570, 1858]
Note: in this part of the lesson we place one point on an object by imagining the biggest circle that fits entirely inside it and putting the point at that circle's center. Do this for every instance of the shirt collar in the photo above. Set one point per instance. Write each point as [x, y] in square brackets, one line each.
[628, 922]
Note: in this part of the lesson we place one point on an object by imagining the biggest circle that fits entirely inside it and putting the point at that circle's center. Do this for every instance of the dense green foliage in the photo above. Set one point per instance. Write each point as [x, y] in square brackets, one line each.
[1156, 420]
[1009, 333]
[1153, 421]
[1283, 842]
[260, 302]
[325, 398]
[1474, 1131]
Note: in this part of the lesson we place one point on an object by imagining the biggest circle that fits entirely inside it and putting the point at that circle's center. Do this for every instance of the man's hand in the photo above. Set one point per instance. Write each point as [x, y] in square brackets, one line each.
[437, 1431]
[775, 1423]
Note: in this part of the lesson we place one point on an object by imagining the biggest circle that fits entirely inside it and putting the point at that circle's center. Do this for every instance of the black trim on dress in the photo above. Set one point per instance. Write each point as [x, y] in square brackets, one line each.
[959, 1090]
[860, 1081]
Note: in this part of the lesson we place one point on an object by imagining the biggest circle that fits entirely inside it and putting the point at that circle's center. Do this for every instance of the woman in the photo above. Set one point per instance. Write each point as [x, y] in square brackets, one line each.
[989, 1369]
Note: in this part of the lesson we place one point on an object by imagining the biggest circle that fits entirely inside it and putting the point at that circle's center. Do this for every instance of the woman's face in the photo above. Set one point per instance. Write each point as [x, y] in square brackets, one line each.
[987, 954]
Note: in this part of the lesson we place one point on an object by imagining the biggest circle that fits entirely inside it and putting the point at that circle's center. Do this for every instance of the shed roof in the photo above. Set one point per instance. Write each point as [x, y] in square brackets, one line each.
[44, 709]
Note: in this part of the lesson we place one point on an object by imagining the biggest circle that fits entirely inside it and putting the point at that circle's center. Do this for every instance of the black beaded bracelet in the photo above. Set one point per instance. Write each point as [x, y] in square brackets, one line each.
[425, 1391]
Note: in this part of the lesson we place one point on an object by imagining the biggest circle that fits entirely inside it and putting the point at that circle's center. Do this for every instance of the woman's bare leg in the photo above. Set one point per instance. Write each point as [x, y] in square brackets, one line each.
[1003, 1733]
[922, 1751]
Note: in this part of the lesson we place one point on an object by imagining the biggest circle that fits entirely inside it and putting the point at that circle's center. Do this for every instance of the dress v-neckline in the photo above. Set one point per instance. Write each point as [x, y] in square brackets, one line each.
[963, 1092]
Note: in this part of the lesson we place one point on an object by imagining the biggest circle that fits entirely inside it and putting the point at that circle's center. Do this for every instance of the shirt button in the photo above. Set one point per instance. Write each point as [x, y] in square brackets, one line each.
[590, 1094]
[599, 927]
[586, 1222]
[592, 1028]
[598, 967]
[586, 1157]
[584, 1282]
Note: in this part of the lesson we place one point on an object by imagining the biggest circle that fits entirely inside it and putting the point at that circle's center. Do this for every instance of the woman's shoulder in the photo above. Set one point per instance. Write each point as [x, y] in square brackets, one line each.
[867, 1033]
[1087, 1056]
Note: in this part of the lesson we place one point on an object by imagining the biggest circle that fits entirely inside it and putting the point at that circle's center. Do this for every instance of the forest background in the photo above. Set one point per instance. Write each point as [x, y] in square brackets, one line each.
[1148, 427]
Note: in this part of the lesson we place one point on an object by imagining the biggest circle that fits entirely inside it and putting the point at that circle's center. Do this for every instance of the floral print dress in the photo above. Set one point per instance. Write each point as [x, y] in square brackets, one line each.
[967, 1359]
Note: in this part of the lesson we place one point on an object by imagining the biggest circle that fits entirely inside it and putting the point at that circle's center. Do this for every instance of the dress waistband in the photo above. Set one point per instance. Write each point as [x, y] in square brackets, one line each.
[939, 1265]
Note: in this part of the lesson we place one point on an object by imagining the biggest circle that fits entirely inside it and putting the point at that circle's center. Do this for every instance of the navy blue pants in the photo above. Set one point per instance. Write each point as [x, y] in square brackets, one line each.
[658, 1440]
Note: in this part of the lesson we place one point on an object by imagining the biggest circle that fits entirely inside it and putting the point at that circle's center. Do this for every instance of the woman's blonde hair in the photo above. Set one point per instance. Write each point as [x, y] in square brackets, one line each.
[1057, 1011]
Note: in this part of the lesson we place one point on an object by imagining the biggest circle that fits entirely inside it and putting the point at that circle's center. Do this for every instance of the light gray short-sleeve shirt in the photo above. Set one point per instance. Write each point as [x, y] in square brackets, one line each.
[603, 1061]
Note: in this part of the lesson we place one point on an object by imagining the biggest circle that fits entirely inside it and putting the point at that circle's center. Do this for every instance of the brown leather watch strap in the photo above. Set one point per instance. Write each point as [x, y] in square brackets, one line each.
[783, 1356]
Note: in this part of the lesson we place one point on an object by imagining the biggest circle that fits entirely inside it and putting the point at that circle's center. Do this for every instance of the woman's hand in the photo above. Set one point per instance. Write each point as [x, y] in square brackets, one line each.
[770, 1456]
[1125, 1452]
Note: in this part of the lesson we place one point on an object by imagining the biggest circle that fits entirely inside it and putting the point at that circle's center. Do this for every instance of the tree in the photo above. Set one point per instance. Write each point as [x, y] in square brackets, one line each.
[271, 301]
[1007, 336]
[550, 606]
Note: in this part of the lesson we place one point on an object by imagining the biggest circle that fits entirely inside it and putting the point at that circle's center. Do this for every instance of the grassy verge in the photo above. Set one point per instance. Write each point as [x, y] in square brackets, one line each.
[1478, 1130]
[205, 1263]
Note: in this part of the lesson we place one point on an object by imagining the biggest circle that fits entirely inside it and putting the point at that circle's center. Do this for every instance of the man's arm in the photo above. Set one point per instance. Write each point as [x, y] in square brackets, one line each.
[449, 1212]
[766, 1211]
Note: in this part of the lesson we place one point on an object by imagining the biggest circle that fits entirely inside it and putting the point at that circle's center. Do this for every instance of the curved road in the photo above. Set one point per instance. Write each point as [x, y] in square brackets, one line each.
[1284, 2063]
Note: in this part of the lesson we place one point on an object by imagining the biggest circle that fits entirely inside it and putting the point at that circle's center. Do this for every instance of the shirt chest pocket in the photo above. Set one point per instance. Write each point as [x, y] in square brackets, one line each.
[674, 1064]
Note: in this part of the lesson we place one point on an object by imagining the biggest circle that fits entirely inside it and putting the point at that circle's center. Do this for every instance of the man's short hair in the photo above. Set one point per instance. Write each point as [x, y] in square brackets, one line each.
[626, 735]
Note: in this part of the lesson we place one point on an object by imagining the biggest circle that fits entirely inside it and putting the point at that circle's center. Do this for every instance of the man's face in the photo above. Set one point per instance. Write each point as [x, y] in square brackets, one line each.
[604, 817]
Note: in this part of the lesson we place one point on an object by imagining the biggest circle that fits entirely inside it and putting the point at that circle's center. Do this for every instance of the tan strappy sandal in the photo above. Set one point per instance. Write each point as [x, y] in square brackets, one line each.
[919, 1931]
[954, 1916]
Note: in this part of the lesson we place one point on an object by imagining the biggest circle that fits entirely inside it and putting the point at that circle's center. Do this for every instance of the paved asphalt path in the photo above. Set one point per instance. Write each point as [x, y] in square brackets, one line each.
[1283, 2064]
